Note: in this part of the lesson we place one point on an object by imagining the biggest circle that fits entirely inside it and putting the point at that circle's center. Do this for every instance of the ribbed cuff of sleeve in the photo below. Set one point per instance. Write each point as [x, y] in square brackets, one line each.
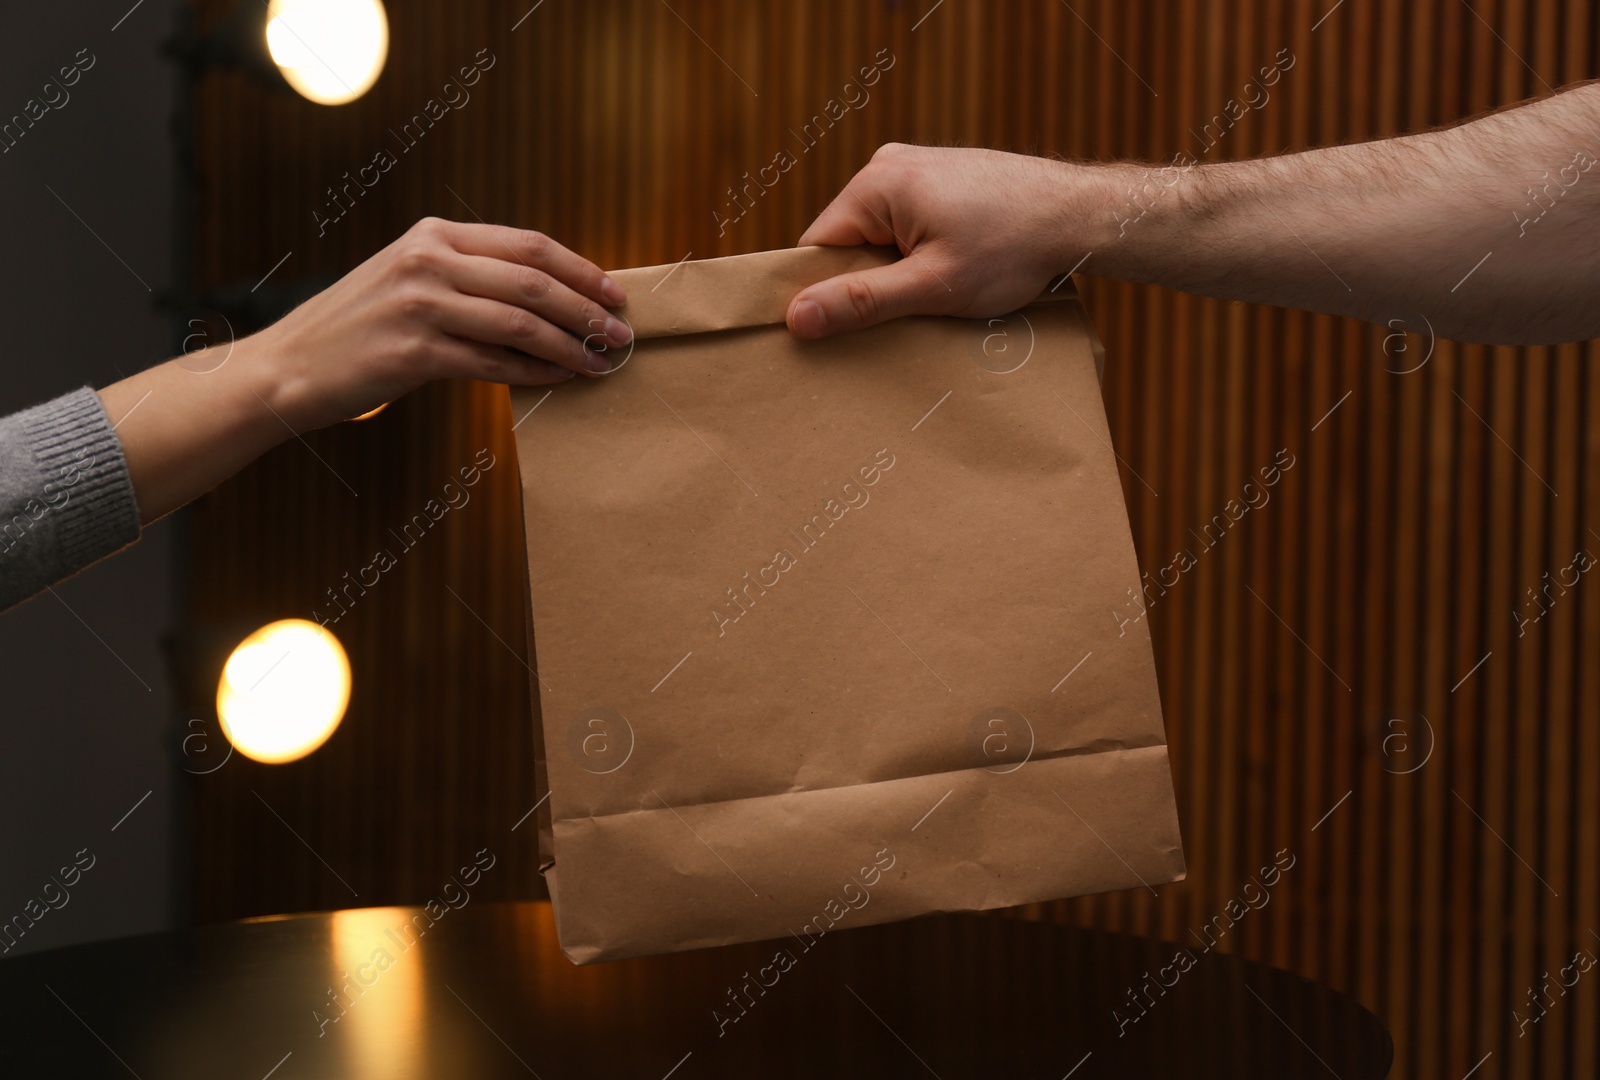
[80, 459]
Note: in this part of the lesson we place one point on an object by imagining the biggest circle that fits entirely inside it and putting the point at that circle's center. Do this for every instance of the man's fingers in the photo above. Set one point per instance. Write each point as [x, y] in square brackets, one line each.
[537, 251]
[493, 323]
[842, 224]
[541, 293]
[866, 298]
[859, 215]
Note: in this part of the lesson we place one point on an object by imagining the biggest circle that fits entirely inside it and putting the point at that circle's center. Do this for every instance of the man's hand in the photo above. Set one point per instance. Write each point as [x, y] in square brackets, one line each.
[1398, 232]
[983, 233]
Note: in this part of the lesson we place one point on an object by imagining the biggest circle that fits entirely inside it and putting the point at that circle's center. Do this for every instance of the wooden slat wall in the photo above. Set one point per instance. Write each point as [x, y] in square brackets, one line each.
[1385, 567]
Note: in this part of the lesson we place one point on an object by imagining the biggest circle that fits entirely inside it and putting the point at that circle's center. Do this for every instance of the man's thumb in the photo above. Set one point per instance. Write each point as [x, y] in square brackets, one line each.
[862, 299]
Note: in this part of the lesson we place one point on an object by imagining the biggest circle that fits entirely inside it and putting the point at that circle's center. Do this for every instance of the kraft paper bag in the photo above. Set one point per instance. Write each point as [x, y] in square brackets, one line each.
[832, 633]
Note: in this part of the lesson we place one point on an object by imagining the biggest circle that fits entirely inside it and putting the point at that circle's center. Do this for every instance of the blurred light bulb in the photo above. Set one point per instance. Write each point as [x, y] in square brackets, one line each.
[283, 691]
[331, 51]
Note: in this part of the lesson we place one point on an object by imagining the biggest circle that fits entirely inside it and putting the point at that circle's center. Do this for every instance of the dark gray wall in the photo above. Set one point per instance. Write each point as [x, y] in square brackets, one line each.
[86, 714]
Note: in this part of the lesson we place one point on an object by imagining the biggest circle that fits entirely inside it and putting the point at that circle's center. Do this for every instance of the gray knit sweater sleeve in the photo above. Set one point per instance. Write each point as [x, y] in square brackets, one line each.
[65, 496]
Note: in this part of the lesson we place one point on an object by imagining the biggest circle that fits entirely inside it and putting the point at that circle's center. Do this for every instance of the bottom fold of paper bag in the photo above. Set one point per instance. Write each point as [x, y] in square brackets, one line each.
[666, 878]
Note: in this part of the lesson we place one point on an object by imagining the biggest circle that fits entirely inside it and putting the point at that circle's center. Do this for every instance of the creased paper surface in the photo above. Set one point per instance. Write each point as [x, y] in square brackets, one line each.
[832, 633]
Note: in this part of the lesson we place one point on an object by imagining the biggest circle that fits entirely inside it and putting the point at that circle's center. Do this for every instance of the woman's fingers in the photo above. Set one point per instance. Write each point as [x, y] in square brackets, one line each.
[493, 323]
[504, 304]
[536, 251]
[492, 363]
[541, 293]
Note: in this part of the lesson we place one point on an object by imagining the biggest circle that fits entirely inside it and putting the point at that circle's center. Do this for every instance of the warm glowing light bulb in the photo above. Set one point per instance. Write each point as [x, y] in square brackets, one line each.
[283, 691]
[331, 51]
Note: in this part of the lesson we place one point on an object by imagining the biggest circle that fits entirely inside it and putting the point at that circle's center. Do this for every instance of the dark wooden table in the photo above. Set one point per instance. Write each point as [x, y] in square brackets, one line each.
[486, 993]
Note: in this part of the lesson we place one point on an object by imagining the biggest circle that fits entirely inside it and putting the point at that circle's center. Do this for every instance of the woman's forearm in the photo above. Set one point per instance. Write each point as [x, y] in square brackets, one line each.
[188, 424]
[446, 300]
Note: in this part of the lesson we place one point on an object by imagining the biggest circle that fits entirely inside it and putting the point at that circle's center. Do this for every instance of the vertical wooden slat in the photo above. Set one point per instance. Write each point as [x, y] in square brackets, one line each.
[1586, 837]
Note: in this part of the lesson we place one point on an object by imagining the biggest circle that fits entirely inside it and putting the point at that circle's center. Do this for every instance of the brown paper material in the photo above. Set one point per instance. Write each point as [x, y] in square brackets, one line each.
[832, 633]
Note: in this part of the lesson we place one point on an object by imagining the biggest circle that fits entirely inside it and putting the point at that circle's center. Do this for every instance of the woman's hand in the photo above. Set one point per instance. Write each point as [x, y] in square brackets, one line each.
[445, 300]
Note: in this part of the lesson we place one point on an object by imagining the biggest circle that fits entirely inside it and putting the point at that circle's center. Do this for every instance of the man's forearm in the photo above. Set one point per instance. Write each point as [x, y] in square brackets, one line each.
[1489, 230]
